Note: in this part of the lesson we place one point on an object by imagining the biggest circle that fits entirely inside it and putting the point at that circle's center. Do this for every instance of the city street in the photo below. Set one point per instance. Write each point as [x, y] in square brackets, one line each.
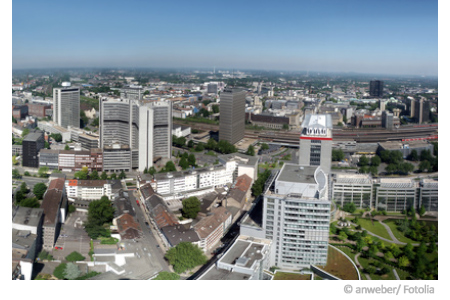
[151, 244]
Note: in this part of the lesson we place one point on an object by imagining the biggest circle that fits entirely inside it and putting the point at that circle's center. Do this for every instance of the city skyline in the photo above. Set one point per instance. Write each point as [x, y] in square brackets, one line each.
[397, 37]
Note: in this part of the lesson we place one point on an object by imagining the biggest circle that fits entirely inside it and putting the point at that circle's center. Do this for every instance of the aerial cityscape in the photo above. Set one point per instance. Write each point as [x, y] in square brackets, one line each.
[202, 160]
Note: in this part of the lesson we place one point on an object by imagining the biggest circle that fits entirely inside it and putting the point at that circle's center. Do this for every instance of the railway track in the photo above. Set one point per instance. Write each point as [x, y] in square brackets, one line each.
[358, 135]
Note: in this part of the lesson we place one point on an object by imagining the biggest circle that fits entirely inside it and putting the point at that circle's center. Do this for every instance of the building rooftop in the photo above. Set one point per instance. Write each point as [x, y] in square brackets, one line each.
[391, 145]
[57, 184]
[50, 204]
[23, 240]
[33, 136]
[399, 183]
[295, 173]
[178, 233]
[353, 178]
[27, 216]
[210, 223]
[219, 274]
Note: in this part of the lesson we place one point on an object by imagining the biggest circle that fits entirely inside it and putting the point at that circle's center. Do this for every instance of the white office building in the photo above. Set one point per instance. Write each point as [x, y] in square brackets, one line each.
[66, 105]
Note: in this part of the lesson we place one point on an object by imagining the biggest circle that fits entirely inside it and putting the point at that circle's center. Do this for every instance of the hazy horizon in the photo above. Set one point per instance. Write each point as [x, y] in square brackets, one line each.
[398, 38]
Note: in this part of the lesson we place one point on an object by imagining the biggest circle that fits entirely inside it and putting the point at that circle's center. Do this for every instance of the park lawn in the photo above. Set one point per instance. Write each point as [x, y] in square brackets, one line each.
[375, 228]
[398, 234]
[291, 276]
[339, 265]
[403, 275]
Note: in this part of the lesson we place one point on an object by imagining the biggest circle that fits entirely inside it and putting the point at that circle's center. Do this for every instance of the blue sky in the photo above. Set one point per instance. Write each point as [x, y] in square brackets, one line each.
[390, 37]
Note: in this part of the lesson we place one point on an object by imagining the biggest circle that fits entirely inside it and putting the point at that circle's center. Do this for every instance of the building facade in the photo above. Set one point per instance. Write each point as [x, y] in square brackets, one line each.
[376, 88]
[232, 115]
[66, 106]
[296, 217]
[316, 140]
[31, 145]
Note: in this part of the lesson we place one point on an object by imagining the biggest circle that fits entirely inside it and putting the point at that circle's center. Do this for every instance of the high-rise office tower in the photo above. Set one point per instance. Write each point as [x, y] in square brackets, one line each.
[421, 111]
[155, 132]
[145, 127]
[316, 141]
[115, 120]
[376, 88]
[296, 210]
[66, 105]
[296, 217]
[232, 115]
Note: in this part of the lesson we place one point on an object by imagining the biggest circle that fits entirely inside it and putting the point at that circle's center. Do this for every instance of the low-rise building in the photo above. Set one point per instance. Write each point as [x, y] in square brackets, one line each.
[353, 188]
[428, 194]
[246, 259]
[54, 206]
[396, 194]
[406, 147]
[88, 189]
[213, 227]
[180, 130]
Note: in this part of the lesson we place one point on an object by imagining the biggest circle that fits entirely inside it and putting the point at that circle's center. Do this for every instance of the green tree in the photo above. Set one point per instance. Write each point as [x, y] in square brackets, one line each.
[104, 176]
[39, 190]
[373, 170]
[403, 261]
[414, 156]
[169, 167]
[264, 146]
[258, 185]
[59, 271]
[191, 159]
[57, 137]
[100, 211]
[71, 271]
[71, 208]
[388, 255]
[360, 245]
[225, 147]
[26, 173]
[211, 145]
[16, 174]
[191, 144]
[349, 207]
[23, 188]
[199, 147]
[163, 275]
[67, 147]
[337, 155]
[113, 176]
[94, 175]
[75, 256]
[342, 236]
[30, 202]
[424, 166]
[363, 161]
[152, 171]
[250, 150]
[122, 175]
[191, 207]
[19, 197]
[375, 161]
[185, 256]
[183, 163]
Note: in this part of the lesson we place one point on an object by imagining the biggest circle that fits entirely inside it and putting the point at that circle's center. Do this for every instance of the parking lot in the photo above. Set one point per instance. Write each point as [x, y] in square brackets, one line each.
[73, 237]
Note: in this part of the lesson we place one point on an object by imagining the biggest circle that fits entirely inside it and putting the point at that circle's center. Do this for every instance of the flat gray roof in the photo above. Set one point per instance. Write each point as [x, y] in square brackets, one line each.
[27, 216]
[33, 136]
[219, 274]
[295, 173]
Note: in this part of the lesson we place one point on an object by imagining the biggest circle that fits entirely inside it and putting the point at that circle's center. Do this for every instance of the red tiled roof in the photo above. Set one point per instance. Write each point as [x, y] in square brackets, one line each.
[243, 182]
[57, 184]
[73, 182]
